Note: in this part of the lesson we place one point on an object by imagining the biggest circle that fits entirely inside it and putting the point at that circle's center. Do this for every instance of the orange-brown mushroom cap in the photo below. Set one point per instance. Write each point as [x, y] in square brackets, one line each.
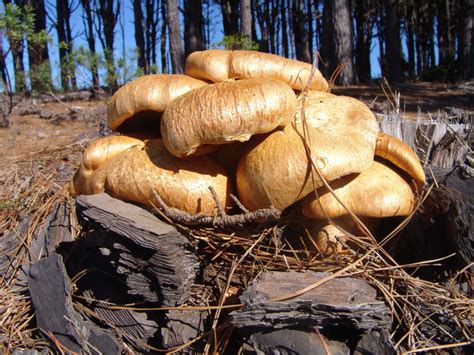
[376, 192]
[341, 135]
[148, 93]
[219, 65]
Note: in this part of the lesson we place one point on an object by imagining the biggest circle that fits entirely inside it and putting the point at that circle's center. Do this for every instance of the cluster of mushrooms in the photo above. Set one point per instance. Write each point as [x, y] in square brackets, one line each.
[237, 121]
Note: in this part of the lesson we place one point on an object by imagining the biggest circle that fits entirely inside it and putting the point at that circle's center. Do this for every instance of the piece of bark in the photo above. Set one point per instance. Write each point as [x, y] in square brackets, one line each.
[443, 225]
[50, 291]
[182, 326]
[347, 302]
[162, 256]
[292, 341]
[374, 343]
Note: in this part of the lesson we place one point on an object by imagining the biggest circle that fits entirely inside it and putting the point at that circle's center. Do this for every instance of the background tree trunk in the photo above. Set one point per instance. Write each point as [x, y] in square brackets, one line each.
[176, 45]
[63, 59]
[38, 56]
[301, 39]
[193, 26]
[363, 39]
[343, 41]
[466, 49]
[163, 50]
[230, 16]
[139, 36]
[245, 19]
[89, 32]
[393, 41]
[108, 19]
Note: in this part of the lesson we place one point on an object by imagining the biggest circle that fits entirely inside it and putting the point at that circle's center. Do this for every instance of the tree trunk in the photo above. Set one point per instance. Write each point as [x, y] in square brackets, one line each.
[176, 45]
[410, 40]
[193, 26]
[69, 49]
[62, 42]
[245, 19]
[89, 30]
[363, 40]
[139, 37]
[284, 29]
[163, 50]
[328, 53]
[301, 40]
[466, 49]
[230, 16]
[40, 70]
[108, 17]
[261, 17]
[309, 20]
[393, 53]
[343, 41]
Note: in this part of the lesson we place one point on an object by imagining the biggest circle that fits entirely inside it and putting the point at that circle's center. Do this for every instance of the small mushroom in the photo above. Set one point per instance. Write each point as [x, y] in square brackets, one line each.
[138, 105]
[225, 112]
[96, 154]
[401, 155]
[135, 173]
[219, 65]
[341, 134]
[377, 192]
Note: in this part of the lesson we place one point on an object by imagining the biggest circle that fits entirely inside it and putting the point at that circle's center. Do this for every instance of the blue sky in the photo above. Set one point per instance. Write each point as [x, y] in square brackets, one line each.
[83, 76]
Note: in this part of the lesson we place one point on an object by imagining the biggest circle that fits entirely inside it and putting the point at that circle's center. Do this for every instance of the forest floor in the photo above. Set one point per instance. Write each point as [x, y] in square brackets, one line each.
[41, 146]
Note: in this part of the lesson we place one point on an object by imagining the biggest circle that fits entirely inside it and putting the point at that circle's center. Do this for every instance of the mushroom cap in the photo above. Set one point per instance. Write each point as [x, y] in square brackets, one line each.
[148, 93]
[218, 65]
[277, 172]
[377, 192]
[225, 112]
[401, 155]
[96, 154]
[184, 184]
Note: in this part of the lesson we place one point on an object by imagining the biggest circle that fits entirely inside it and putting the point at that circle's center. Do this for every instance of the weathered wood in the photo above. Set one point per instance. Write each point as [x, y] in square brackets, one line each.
[348, 302]
[443, 225]
[292, 341]
[443, 143]
[166, 256]
[50, 291]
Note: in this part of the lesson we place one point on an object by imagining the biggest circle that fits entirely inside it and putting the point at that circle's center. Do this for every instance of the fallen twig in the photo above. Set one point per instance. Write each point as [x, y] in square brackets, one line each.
[222, 219]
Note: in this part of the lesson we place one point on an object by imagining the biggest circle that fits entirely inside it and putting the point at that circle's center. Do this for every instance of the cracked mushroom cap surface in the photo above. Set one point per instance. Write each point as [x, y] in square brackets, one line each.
[225, 112]
[144, 99]
[377, 192]
[133, 174]
[342, 132]
[219, 65]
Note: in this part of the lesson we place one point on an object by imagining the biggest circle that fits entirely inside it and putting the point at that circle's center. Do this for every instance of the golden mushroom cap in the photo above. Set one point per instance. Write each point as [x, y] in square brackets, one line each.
[377, 192]
[401, 155]
[135, 173]
[225, 112]
[341, 135]
[149, 95]
[218, 65]
[96, 154]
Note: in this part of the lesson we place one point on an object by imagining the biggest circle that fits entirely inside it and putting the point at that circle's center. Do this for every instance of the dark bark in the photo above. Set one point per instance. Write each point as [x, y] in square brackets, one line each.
[262, 15]
[63, 54]
[466, 49]
[163, 50]
[230, 15]
[67, 22]
[108, 16]
[393, 53]
[139, 36]
[151, 26]
[284, 29]
[193, 26]
[301, 39]
[89, 31]
[410, 40]
[327, 39]
[3, 65]
[38, 55]
[363, 39]
[310, 20]
[245, 19]
[343, 41]
[176, 45]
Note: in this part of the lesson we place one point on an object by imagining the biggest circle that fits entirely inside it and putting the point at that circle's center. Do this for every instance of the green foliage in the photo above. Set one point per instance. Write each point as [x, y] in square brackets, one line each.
[238, 42]
[19, 25]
